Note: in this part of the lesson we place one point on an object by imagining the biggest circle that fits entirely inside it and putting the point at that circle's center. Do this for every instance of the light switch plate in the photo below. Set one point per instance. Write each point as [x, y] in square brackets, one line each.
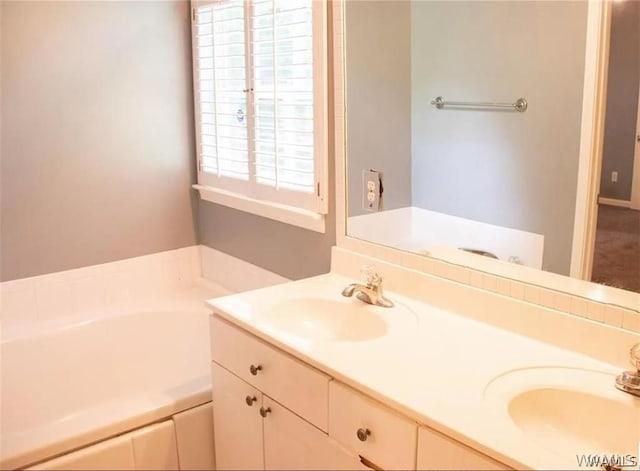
[370, 190]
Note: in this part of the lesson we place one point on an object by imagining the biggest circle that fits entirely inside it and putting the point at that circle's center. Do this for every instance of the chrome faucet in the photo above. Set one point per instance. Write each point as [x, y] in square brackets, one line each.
[629, 381]
[371, 293]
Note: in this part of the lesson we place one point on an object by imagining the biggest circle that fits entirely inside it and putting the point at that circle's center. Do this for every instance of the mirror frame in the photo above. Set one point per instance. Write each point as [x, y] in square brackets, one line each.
[589, 167]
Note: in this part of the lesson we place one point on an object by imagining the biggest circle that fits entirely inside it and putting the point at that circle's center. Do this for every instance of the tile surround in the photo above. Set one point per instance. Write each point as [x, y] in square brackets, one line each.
[234, 274]
[614, 315]
[97, 288]
[130, 283]
[516, 290]
[562, 302]
[630, 320]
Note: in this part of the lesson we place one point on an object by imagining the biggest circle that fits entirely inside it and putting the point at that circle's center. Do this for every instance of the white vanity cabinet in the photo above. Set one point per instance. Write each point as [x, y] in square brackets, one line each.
[253, 430]
[272, 411]
[437, 451]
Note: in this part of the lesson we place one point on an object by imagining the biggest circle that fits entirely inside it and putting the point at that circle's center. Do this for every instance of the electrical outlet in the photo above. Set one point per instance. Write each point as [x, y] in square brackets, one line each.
[371, 190]
[614, 177]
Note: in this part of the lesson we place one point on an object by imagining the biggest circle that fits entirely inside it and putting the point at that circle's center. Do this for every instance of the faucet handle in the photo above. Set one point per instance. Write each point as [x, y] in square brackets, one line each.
[372, 277]
[634, 356]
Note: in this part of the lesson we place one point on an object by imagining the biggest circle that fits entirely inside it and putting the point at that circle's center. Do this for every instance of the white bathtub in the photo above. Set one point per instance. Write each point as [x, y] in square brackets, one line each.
[72, 383]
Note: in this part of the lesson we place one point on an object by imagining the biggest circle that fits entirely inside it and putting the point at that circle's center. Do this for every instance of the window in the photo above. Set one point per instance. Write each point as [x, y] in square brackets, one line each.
[260, 98]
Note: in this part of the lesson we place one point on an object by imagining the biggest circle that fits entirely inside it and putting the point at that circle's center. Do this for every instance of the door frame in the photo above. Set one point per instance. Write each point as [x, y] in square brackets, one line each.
[591, 137]
[634, 201]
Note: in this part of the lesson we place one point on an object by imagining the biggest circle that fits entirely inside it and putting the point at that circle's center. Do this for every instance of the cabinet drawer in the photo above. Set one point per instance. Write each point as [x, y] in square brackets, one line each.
[299, 387]
[374, 431]
[436, 451]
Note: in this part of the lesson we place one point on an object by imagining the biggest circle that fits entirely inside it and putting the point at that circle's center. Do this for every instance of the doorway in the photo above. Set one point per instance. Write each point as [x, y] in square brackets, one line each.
[616, 258]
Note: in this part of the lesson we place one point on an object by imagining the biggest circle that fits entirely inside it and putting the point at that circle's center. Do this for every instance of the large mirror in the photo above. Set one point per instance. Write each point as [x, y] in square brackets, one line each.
[464, 132]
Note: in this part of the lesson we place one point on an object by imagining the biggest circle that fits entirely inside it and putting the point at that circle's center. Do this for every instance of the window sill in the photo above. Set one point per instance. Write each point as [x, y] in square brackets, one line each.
[278, 212]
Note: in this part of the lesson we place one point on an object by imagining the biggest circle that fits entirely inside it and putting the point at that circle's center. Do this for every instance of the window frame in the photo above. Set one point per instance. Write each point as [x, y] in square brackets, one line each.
[250, 195]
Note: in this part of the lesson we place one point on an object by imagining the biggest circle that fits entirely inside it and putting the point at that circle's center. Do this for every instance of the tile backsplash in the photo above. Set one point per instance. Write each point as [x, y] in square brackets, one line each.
[604, 313]
[563, 320]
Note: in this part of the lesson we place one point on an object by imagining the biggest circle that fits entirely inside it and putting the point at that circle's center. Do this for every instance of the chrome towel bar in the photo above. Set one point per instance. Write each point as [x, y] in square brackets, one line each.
[519, 105]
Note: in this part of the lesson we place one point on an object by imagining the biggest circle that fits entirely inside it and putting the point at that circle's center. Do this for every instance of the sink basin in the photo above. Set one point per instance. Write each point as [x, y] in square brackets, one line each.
[563, 419]
[326, 320]
[568, 411]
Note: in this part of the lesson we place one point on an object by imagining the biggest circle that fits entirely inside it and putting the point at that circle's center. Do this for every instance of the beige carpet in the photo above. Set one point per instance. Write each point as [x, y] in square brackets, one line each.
[616, 260]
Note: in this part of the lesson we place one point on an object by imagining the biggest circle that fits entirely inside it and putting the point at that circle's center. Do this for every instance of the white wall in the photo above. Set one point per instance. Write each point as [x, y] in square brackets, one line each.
[517, 170]
[97, 133]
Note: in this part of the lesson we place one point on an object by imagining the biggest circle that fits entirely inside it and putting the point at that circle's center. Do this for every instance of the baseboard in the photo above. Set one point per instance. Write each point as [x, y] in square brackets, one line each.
[235, 274]
[614, 202]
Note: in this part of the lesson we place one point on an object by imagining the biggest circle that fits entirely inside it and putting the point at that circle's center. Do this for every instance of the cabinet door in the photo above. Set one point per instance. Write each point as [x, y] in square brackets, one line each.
[237, 424]
[292, 443]
[436, 451]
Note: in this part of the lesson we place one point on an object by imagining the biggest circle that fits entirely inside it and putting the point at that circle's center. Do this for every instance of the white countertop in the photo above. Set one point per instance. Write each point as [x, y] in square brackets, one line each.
[431, 365]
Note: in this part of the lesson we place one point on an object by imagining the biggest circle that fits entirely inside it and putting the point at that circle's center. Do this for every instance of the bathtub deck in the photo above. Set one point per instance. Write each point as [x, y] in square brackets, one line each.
[130, 366]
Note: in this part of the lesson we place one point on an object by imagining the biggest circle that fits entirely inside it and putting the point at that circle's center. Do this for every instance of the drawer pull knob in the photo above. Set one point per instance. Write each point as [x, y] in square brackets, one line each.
[254, 369]
[250, 400]
[363, 433]
[264, 411]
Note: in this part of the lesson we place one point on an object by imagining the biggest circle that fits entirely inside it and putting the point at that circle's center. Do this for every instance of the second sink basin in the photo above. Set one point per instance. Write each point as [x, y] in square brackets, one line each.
[571, 420]
[568, 411]
[327, 320]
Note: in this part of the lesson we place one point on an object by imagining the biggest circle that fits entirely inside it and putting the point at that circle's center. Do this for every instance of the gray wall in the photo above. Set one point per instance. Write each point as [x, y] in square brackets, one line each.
[517, 170]
[287, 250]
[622, 100]
[97, 136]
[378, 58]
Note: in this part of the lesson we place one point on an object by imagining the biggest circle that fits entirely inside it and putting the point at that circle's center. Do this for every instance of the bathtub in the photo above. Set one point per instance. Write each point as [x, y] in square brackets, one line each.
[74, 382]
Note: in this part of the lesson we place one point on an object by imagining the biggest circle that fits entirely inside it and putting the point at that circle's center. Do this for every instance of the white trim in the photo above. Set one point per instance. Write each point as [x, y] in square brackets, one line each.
[321, 104]
[234, 274]
[278, 212]
[591, 138]
[614, 202]
[339, 123]
[635, 178]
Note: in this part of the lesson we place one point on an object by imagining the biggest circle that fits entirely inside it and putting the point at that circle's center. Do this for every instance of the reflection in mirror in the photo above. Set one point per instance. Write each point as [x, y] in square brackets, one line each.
[482, 176]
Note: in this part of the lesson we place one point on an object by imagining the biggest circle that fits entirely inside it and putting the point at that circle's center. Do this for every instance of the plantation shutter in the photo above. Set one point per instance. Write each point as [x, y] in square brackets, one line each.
[260, 99]
[222, 80]
[282, 46]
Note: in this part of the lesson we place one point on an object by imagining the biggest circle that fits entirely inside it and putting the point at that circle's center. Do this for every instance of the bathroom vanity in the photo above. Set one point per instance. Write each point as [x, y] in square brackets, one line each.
[304, 378]
[273, 411]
